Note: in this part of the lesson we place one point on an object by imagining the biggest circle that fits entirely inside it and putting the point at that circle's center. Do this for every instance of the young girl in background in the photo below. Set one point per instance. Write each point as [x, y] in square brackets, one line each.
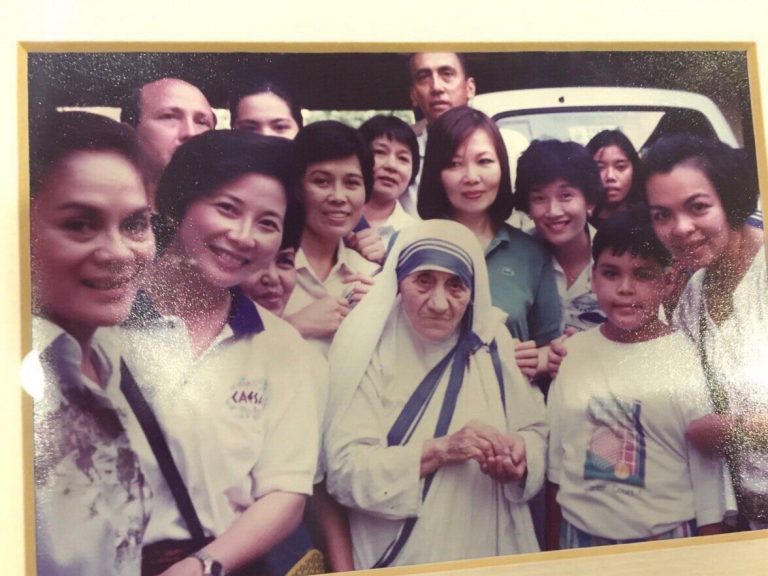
[265, 108]
[618, 163]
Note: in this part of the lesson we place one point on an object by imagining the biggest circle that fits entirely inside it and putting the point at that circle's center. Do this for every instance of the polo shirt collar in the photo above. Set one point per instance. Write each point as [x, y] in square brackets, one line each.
[342, 261]
[243, 319]
[44, 332]
[61, 354]
[501, 237]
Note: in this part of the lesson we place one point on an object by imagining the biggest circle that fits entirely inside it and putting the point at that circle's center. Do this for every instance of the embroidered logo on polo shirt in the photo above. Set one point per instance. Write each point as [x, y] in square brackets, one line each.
[247, 397]
[507, 271]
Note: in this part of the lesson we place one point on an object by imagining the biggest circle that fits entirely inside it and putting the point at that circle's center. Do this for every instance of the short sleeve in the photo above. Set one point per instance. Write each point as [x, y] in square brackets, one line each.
[292, 438]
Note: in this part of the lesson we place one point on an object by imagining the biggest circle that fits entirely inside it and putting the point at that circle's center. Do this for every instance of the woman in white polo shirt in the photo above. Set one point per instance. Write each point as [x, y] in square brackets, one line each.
[238, 412]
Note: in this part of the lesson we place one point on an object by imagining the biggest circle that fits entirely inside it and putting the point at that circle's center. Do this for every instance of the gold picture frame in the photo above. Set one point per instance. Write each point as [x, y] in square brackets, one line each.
[720, 552]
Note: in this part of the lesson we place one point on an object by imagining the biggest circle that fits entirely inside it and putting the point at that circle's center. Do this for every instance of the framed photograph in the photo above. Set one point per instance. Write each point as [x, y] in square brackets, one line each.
[568, 92]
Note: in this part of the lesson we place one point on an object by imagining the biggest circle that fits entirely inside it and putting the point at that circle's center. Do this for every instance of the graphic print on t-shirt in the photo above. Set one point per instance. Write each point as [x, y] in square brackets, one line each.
[616, 450]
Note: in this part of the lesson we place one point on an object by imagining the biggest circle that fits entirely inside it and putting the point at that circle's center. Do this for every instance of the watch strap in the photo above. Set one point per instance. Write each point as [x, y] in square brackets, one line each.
[211, 566]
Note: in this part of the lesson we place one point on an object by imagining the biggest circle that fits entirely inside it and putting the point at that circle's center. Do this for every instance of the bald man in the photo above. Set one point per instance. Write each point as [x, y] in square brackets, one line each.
[165, 114]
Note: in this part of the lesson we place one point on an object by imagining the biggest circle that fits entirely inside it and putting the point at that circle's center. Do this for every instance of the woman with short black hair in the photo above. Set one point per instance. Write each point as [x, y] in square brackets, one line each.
[335, 169]
[238, 412]
[395, 167]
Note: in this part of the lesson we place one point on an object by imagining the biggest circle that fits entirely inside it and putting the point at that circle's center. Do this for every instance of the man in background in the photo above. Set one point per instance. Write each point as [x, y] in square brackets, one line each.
[165, 113]
[439, 81]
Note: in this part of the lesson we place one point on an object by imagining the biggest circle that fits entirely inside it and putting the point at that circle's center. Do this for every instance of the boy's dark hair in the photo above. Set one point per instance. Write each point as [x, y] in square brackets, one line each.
[206, 162]
[446, 134]
[331, 140]
[630, 231]
[63, 133]
[263, 86]
[545, 161]
[395, 129]
[619, 139]
[729, 170]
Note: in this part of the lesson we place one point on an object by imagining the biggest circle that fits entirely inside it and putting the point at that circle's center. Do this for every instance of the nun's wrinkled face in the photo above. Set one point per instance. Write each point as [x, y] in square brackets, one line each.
[435, 302]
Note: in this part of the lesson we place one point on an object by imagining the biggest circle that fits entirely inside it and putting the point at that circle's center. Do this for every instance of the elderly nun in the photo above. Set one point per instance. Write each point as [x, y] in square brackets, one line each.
[434, 439]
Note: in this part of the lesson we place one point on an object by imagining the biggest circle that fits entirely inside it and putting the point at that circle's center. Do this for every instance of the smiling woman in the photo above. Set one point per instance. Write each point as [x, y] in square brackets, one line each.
[336, 171]
[701, 193]
[226, 397]
[90, 241]
[234, 230]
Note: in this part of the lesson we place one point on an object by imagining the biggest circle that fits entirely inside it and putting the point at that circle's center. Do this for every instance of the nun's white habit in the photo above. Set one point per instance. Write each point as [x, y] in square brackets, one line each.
[374, 440]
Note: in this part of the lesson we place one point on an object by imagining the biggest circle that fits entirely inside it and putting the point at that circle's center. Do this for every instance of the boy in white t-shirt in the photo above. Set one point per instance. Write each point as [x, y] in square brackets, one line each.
[620, 467]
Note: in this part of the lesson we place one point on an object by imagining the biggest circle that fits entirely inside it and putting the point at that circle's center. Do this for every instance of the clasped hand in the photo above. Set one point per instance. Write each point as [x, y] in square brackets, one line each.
[501, 456]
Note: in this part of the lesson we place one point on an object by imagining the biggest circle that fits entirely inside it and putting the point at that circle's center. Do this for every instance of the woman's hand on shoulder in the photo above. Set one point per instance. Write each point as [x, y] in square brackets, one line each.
[321, 318]
[360, 285]
[558, 351]
[527, 357]
[369, 243]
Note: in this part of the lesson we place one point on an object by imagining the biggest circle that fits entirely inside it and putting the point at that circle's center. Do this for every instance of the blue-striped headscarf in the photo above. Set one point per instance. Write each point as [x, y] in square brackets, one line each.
[429, 244]
[433, 253]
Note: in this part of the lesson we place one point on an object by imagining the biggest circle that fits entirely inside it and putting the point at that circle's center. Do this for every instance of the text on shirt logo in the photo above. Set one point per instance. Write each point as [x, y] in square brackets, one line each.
[247, 397]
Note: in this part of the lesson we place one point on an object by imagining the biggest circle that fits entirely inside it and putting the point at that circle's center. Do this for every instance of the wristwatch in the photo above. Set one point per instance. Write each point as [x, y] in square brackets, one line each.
[211, 566]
